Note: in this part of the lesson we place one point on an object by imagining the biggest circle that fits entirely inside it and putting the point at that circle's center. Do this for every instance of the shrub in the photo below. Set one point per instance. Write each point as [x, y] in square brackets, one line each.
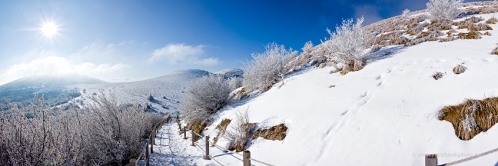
[459, 69]
[104, 133]
[444, 9]
[240, 133]
[204, 97]
[267, 68]
[348, 43]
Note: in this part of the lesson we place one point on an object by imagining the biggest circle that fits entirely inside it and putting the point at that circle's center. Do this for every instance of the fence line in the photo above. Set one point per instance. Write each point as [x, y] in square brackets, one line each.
[150, 141]
[431, 159]
[246, 157]
[208, 155]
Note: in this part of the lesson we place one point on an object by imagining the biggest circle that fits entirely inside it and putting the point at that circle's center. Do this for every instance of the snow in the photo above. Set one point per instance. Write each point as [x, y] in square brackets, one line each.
[385, 114]
[172, 149]
[167, 90]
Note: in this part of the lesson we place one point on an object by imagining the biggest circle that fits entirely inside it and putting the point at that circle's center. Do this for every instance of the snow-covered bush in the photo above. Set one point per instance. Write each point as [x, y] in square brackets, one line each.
[234, 83]
[444, 9]
[204, 97]
[105, 133]
[267, 68]
[347, 44]
[308, 47]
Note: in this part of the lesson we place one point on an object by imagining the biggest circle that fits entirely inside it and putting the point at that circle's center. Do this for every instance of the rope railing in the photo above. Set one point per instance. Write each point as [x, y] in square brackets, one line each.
[150, 141]
[208, 155]
[246, 156]
[431, 159]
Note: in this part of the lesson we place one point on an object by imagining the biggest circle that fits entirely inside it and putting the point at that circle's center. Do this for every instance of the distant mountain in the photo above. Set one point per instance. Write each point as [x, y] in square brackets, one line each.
[54, 89]
[167, 90]
[49, 81]
[228, 73]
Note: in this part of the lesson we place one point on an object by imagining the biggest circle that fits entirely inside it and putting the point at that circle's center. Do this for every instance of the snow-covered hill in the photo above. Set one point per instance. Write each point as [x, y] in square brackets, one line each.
[54, 89]
[384, 114]
[166, 90]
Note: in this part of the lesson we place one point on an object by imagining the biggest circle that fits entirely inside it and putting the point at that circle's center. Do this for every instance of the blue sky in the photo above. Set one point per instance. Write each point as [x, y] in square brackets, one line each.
[132, 40]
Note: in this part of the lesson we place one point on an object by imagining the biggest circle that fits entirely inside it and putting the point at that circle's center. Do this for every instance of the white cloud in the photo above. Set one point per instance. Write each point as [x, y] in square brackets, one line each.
[182, 54]
[54, 65]
[369, 12]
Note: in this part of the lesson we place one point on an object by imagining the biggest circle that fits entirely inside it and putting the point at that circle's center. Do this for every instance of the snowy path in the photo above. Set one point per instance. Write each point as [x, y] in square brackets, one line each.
[172, 150]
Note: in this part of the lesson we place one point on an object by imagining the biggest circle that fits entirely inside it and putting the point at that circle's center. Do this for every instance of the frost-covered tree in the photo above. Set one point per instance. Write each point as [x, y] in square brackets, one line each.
[204, 97]
[234, 83]
[267, 68]
[347, 44]
[103, 133]
[308, 47]
[444, 9]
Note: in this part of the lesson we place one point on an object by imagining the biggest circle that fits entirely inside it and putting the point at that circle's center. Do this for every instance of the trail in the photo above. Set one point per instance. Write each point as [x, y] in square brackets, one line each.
[171, 149]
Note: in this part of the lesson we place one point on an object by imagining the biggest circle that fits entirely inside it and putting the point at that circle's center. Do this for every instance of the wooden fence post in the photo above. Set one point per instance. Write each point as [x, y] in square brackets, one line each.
[151, 145]
[193, 138]
[153, 137]
[247, 156]
[207, 148]
[147, 153]
[133, 162]
[184, 133]
[431, 160]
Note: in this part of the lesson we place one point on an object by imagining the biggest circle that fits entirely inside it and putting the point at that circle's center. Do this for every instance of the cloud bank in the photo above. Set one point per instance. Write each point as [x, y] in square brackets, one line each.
[179, 54]
[54, 65]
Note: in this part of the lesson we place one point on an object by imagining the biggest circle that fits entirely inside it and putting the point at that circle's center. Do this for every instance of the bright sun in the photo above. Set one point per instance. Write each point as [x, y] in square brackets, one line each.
[49, 29]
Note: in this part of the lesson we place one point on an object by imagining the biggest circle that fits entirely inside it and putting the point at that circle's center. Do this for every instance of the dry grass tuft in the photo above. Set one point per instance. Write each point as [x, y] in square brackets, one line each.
[278, 132]
[239, 134]
[470, 35]
[438, 75]
[222, 127]
[241, 94]
[495, 51]
[344, 70]
[459, 69]
[241, 144]
[492, 20]
[471, 117]
[479, 27]
[355, 65]
[448, 39]
[197, 127]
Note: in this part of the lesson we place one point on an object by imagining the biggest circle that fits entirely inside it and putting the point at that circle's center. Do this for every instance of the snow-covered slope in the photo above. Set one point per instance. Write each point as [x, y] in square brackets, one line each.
[166, 90]
[385, 114]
